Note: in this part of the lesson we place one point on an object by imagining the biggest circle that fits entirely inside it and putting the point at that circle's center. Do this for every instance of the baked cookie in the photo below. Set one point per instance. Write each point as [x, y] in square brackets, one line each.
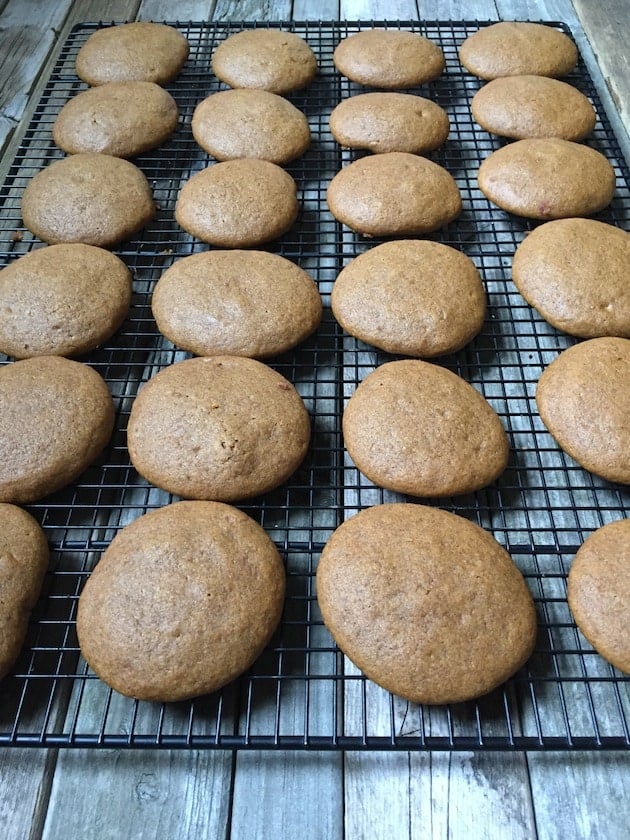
[427, 604]
[394, 194]
[598, 592]
[183, 600]
[547, 179]
[250, 124]
[389, 122]
[575, 273]
[533, 106]
[583, 399]
[238, 203]
[223, 428]
[267, 59]
[56, 416]
[388, 58]
[415, 297]
[511, 48]
[132, 52]
[418, 428]
[236, 303]
[122, 119]
[23, 563]
[63, 300]
[90, 198]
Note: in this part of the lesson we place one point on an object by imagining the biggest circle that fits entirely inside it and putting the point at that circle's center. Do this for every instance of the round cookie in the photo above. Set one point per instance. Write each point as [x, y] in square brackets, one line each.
[394, 194]
[547, 178]
[90, 198]
[389, 122]
[56, 416]
[267, 59]
[575, 273]
[415, 297]
[418, 428]
[138, 52]
[533, 106]
[183, 600]
[23, 563]
[223, 428]
[388, 58]
[238, 203]
[122, 119]
[598, 592]
[238, 303]
[427, 604]
[512, 48]
[583, 399]
[250, 124]
[63, 300]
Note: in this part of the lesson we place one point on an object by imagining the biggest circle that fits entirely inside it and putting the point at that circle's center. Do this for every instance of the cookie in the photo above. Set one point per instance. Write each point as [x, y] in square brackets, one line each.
[394, 194]
[533, 106]
[415, 297]
[583, 399]
[389, 122]
[418, 428]
[23, 563]
[63, 300]
[266, 59]
[132, 52]
[238, 203]
[210, 304]
[427, 604]
[250, 124]
[388, 58]
[547, 179]
[511, 48]
[122, 119]
[598, 592]
[183, 601]
[574, 272]
[90, 198]
[222, 428]
[56, 417]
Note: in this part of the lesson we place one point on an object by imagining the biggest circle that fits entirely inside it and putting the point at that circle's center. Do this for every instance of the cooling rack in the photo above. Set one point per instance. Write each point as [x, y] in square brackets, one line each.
[302, 693]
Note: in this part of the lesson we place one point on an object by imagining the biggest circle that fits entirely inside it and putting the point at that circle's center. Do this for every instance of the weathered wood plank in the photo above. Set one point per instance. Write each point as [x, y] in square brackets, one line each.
[308, 10]
[251, 10]
[377, 10]
[182, 10]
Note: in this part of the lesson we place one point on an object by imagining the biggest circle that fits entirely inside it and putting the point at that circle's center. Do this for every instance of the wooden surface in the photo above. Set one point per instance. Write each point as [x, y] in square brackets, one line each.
[197, 794]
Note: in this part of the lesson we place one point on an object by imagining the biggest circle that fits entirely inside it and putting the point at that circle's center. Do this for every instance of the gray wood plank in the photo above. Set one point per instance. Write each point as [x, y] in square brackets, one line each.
[458, 9]
[251, 10]
[377, 10]
[182, 10]
[25, 778]
[308, 10]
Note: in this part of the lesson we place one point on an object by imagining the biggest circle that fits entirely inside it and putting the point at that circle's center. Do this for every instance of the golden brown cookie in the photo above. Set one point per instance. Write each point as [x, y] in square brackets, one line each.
[267, 59]
[23, 563]
[183, 600]
[389, 122]
[415, 297]
[511, 48]
[238, 303]
[238, 203]
[583, 399]
[598, 592]
[547, 179]
[139, 52]
[91, 198]
[420, 429]
[56, 416]
[224, 428]
[394, 194]
[388, 58]
[575, 273]
[427, 604]
[63, 300]
[250, 124]
[533, 106]
[122, 119]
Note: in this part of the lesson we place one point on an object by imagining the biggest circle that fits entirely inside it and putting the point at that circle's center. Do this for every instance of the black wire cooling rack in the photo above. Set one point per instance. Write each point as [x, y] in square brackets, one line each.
[302, 693]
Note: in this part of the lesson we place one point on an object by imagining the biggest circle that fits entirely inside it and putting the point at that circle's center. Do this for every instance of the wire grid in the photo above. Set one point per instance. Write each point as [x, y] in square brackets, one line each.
[302, 693]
